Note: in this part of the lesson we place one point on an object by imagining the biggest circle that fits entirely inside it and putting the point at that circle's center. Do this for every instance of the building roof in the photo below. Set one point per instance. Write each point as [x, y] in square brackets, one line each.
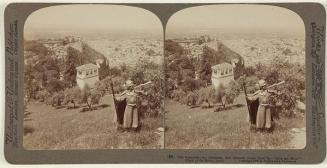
[222, 66]
[87, 66]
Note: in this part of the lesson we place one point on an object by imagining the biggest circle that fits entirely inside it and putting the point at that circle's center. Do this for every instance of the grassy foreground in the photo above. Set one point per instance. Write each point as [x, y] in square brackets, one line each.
[205, 129]
[49, 128]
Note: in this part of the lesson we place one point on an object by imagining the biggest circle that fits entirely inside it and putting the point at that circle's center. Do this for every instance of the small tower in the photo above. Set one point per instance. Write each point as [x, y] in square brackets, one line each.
[87, 74]
[222, 74]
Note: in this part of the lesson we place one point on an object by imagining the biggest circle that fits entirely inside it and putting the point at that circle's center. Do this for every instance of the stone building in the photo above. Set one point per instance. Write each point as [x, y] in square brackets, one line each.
[222, 74]
[87, 74]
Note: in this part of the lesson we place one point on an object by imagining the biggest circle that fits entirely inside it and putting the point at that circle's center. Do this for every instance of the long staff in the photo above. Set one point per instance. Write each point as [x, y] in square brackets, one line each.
[112, 90]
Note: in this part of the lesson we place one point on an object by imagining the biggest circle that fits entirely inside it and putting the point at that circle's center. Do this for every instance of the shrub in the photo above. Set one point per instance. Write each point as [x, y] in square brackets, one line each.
[89, 97]
[43, 95]
[251, 83]
[207, 93]
[190, 84]
[153, 100]
[55, 85]
[100, 87]
[36, 47]
[118, 84]
[179, 95]
[294, 77]
[192, 98]
[232, 91]
[71, 95]
[56, 99]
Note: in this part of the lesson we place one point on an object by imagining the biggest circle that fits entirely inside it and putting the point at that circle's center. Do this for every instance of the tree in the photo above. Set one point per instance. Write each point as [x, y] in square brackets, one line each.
[71, 62]
[55, 85]
[155, 96]
[89, 97]
[232, 91]
[101, 87]
[239, 69]
[30, 84]
[95, 97]
[85, 96]
[190, 84]
[117, 82]
[42, 95]
[137, 77]
[115, 71]
[36, 48]
[205, 70]
[71, 95]
[56, 99]
[172, 47]
[294, 77]
[104, 70]
[207, 93]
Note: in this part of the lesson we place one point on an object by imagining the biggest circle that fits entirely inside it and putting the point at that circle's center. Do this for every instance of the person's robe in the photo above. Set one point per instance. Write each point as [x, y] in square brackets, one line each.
[120, 110]
[253, 109]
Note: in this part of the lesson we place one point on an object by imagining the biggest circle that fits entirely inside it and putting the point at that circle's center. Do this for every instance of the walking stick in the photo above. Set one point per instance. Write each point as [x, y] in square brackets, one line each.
[247, 103]
[113, 93]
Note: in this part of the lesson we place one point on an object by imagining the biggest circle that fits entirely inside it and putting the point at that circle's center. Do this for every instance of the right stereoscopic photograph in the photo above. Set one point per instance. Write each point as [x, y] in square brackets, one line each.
[235, 78]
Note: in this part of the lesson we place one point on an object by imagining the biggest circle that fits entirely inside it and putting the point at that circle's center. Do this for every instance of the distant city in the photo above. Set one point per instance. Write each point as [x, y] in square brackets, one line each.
[253, 49]
[119, 51]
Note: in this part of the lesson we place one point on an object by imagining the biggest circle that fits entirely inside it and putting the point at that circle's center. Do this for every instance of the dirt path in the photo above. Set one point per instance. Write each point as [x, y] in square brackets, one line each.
[298, 138]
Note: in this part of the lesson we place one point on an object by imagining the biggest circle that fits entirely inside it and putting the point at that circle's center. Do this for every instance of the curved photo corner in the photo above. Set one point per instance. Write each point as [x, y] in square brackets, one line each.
[233, 59]
[93, 78]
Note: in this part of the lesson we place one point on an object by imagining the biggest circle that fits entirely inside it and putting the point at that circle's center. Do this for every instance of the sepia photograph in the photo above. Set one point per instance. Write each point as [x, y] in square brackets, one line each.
[93, 78]
[235, 78]
[164, 83]
[226, 77]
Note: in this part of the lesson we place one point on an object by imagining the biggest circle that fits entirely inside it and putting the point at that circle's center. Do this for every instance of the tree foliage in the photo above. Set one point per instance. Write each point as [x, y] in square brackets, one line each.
[204, 70]
[294, 87]
[36, 48]
[71, 95]
[71, 62]
[89, 97]
[104, 70]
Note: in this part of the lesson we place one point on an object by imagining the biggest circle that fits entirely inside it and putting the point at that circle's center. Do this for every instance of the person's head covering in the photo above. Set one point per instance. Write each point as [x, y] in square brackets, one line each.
[129, 83]
[262, 83]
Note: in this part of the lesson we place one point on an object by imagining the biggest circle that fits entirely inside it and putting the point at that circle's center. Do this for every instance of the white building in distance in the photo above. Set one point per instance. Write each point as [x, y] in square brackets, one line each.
[87, 74]
[222, 74]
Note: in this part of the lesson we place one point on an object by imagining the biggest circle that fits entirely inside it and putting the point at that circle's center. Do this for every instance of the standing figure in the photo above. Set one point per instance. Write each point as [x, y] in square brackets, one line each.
[131, 115]
[263, 117]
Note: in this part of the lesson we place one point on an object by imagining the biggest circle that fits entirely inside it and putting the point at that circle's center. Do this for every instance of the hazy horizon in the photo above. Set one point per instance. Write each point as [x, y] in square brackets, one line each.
[87, 19]
[119, 21]
[243, 19]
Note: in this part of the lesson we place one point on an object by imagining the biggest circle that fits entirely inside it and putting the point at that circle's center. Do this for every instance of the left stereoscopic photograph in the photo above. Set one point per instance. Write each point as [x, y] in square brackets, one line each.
[93, 78]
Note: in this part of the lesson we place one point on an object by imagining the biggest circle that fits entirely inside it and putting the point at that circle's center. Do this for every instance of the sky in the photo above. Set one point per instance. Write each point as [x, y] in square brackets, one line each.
[228, 19]
[236, 19]
[91, 18]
